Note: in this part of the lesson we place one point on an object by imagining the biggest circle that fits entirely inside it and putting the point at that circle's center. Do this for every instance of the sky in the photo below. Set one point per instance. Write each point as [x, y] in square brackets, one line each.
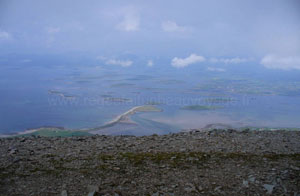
[187, 32]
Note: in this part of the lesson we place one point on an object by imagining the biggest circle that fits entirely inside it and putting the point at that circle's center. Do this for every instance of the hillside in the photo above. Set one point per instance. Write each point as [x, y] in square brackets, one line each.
[216, 162]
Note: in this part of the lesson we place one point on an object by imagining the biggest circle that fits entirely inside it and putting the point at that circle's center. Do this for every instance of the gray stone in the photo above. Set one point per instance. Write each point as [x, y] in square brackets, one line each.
[295, 168]
[269, 188]
[92, 190]
[251, 179]
[64, 193]
[245, 183]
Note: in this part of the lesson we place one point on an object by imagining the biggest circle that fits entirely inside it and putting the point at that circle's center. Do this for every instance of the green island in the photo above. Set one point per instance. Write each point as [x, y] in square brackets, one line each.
[170, 81]
[219, 100]
[153, 103]
[201, 107]
[105, 96]
[117, 99]
[122, 85]
[140, 77]
[61, 94]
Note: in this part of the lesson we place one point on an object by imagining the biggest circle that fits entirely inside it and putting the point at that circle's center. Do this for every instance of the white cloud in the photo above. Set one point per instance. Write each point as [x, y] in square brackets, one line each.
[53, 30]
[130, 20]
[235, 60]
[51, 34]
[170, 26]
[4, 36]
[123, 63]
[150, 63]
[215, 69]
[193, 58]
[279, 62]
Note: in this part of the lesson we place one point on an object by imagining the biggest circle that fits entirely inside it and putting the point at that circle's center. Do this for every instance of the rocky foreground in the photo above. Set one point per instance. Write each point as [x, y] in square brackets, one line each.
[216, 162]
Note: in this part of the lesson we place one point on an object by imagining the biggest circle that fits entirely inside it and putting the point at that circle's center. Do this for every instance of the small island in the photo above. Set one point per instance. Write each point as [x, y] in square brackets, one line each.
[219, 100]
[61, 94]
[201, 107]
[117, 99]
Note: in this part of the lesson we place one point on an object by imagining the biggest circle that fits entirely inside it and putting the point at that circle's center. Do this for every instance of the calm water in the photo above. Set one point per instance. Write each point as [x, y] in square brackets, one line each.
[83, 96]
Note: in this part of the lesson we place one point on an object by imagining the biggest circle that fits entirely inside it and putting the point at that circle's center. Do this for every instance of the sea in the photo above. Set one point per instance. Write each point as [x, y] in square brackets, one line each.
[80, 93]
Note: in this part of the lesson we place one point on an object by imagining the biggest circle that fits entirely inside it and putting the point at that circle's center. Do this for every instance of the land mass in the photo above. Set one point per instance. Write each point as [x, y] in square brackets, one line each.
[216, 162]
[201, 107]
[61, 94]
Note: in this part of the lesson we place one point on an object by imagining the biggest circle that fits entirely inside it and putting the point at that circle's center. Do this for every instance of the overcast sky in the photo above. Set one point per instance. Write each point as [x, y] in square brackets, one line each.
[189, 30]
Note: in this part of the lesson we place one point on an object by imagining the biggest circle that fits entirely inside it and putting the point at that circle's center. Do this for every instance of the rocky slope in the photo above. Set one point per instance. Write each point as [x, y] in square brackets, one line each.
[216, 162]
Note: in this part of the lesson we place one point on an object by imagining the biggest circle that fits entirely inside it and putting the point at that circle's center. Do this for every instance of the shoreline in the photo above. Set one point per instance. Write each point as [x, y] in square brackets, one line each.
[30, 131]
[206, 128]
[124, 117]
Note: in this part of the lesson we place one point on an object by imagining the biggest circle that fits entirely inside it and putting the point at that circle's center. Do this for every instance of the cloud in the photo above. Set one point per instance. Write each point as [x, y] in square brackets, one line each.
[235, 60]
[5, 36]
[130, 20]
[122, 63]
[279, 62]
[53, 30]
[215, 69]
[170, 26]
[193, 58]
[150, 63]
